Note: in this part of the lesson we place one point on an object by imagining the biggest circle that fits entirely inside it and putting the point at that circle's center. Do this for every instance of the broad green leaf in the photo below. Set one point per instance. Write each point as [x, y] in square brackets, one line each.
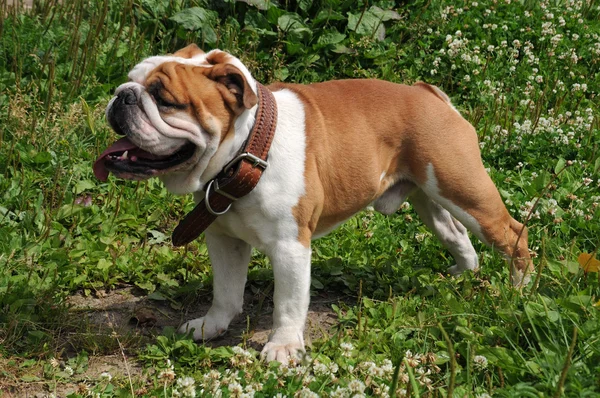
[290, 21]
[385, 15]
[42, 157]
[29, 378]
[260, 4]
[83, 185]
[366, 24]
[198, 18]
[256, 20]
[305, 4]
[328, 15]
[559, 165]
[331, 37]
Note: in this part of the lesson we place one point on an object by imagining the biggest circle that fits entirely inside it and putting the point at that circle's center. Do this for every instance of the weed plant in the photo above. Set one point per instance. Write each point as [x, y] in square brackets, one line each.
[525, 73]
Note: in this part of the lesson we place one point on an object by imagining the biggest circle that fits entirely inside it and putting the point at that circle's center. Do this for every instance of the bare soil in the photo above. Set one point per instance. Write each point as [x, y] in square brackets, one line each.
[123, 320]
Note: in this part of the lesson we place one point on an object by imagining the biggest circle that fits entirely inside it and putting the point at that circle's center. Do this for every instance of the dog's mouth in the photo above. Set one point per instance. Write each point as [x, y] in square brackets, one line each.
[127, 160]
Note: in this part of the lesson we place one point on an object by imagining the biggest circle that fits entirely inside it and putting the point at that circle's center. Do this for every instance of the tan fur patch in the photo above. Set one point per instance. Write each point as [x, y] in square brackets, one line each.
[356, 130]
[189, 52]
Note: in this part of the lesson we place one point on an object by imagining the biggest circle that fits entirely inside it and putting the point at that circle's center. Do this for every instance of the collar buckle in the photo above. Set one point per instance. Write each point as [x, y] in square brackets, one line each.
[255, 160]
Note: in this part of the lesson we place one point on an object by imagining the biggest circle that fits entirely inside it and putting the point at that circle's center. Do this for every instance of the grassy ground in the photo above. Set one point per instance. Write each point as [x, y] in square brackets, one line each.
[526, 74]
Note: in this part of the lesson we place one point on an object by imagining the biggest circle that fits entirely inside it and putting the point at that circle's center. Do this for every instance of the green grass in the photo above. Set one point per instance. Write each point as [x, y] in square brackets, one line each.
[526, 74]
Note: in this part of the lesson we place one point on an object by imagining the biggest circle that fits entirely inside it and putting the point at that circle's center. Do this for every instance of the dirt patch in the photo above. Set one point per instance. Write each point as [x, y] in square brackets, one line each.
[125, 319]
[126, 311]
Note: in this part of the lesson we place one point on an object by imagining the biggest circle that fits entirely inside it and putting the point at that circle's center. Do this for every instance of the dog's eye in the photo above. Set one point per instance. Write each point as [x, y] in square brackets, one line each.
[160, 101]
[165, 102]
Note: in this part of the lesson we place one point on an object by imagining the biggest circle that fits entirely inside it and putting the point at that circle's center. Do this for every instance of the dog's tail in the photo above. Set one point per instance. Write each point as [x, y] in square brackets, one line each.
[437, 92]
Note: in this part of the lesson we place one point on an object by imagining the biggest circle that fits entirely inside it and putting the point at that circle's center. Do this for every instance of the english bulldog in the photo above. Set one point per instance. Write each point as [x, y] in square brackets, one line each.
[338, 147]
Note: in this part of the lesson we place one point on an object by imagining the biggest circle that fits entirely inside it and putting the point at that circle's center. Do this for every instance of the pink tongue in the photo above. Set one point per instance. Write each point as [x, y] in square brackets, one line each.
[121, 145]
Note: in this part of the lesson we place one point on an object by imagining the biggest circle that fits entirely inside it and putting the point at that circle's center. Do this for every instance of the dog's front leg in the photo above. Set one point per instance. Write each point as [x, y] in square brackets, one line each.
[229, 259]
[291, 269]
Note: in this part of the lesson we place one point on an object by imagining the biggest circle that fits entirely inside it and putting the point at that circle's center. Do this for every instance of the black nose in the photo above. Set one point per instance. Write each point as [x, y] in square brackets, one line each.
[127, 96]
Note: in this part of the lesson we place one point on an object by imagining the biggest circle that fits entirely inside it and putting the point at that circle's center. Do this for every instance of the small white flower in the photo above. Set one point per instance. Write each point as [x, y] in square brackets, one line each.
[235, 389]
[69, 370]
[186, 384]
[347, 349]
[306, 393]
[106, 376]
[356, 386]
[480, 362]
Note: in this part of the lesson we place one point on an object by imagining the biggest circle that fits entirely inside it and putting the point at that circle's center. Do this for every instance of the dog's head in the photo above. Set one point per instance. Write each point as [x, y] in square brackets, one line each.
[174, 114]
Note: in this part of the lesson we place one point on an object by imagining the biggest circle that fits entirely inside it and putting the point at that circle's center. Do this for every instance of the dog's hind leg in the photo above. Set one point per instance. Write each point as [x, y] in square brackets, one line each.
[449, 231]
[467, 192]
[229, 259]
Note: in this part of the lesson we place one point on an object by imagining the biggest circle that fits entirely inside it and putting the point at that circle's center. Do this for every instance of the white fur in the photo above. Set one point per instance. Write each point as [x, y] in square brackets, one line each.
[431, 188]
[449, 231]
[140, 72]
[265, 220]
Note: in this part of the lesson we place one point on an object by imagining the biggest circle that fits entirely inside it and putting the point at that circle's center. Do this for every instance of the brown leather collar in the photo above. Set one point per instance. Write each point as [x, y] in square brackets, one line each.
[238, 177]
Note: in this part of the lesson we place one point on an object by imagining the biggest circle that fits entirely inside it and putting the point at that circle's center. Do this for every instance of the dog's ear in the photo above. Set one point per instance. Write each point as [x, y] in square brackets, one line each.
[233, 87]
[189, 52]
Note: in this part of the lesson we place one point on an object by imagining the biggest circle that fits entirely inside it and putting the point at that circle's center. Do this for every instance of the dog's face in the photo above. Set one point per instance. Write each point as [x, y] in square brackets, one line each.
[174, 113]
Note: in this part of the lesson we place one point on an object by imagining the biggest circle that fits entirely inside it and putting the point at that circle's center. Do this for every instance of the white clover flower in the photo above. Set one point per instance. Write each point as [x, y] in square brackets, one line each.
[69, 370]
[321, 369]
[574, 57]
[356, 386]
[467, 78]
[340, 392]
[333, 368]
[306, 393]
[235, 389]
[387, 366]
[420, 237]
[106, 376]
[480, 362]
[346, 349]
[186, 384]
[168, 374]
[241, 357]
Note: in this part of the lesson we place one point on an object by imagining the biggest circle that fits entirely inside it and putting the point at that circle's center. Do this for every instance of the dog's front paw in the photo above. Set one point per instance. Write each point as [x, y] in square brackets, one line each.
[204, 329]
[284, 344]
[281, 352]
